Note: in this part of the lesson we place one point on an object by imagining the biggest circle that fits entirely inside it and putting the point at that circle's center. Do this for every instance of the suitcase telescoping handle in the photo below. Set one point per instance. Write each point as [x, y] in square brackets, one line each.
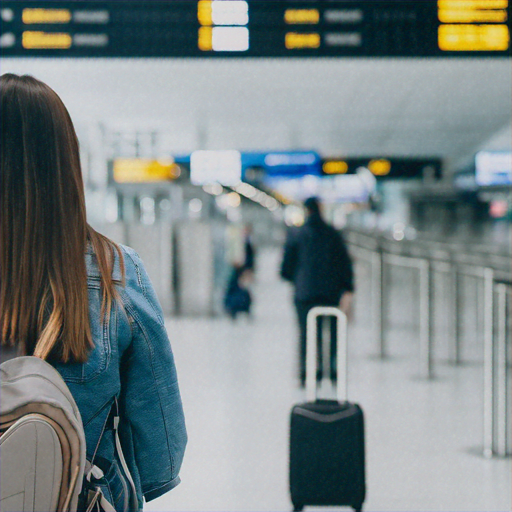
[311, 351]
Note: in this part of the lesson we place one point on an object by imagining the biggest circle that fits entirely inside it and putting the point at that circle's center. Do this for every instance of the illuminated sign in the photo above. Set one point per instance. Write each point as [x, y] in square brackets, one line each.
[473, 16]
[471, 4]
[43, 16]
[384, 168]
[473, 25]
[223, 39]
[223, 25]
[45, 40]
[225, 12]
[255, 28]
[493, 168]
[224, 167]
[475, 38]
[335, 167]
[300, 16]
[292, 163]
[379, 167]
[294, 40]
[204, 12]
[143, 170]
[205, 39]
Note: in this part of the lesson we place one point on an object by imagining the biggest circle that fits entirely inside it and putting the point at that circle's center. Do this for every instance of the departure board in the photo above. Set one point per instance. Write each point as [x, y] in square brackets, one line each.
[256, 28]
[385, 168]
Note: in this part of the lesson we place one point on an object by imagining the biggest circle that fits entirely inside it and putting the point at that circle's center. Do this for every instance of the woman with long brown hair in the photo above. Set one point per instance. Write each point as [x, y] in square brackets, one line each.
[74, 298]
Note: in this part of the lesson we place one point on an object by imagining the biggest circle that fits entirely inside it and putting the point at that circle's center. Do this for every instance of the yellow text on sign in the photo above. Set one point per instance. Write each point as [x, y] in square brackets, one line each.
[137, 170]
[204, 12]
[46, 40]
[468, 5]
[473, 38]
[44, 16]
[294, 40]
[335, 167]
[205, 39]
[473, 16]
[302, 16]
[380, 167]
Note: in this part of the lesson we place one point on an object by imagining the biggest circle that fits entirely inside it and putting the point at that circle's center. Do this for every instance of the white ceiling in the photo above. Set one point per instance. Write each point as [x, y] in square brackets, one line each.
[420, 107]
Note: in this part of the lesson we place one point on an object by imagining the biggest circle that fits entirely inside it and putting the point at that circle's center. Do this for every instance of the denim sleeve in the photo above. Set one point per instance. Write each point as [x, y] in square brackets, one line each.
[151, 399]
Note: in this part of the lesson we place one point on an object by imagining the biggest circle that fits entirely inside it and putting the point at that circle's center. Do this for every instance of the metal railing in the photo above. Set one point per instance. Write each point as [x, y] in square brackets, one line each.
[496, 367]
[454, 260]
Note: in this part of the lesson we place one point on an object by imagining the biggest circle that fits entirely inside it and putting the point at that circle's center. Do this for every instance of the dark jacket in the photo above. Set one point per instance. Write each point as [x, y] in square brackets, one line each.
[316, 260]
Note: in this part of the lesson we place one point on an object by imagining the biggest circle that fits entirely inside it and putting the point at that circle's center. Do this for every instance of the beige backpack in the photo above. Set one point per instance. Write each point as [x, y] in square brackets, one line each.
[42, 443]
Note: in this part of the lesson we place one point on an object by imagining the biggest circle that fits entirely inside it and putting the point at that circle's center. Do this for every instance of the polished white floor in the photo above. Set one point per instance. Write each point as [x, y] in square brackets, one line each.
[238, 383]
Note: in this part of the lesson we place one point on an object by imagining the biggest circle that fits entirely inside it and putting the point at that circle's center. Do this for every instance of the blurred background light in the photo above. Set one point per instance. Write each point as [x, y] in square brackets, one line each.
[223, 167]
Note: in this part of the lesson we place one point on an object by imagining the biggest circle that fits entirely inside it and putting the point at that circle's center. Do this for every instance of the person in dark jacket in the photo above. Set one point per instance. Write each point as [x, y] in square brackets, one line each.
[317, 262]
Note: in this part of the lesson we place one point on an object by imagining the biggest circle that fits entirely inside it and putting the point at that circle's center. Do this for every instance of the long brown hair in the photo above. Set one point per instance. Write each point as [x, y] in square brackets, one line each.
[43, 229]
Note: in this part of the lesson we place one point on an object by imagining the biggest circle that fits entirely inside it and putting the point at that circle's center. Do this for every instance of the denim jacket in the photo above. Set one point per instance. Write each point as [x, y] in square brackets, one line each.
[132, 359]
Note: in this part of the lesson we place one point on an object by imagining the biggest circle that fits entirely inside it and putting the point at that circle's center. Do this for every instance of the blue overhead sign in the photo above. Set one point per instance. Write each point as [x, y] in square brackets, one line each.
[493, 168]
[292, 164]
[296, 163]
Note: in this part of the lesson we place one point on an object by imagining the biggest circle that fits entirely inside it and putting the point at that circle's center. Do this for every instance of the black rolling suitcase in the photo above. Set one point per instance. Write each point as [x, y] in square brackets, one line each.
[327, 456]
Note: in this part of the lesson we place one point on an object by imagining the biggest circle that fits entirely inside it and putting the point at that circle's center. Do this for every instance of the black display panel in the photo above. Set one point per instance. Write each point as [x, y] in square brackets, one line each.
[385, 168]
[256, 28]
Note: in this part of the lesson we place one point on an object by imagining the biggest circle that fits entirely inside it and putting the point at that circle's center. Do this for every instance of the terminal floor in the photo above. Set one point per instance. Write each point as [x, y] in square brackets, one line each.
[238, 383]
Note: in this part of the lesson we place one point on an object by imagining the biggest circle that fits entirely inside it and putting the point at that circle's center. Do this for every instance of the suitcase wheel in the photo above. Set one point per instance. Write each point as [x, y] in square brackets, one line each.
[297, 507]
[358, 508]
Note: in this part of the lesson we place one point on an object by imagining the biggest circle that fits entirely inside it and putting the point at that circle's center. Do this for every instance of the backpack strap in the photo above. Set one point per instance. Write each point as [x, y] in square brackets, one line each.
[134, 500]
[91, 470]
[97, 500]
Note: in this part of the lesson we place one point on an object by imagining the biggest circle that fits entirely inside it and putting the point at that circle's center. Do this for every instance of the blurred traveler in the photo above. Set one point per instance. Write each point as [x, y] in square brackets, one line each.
[235, 248]
[249, 249]
[317, 262]
[238, 297]
[74, 298]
